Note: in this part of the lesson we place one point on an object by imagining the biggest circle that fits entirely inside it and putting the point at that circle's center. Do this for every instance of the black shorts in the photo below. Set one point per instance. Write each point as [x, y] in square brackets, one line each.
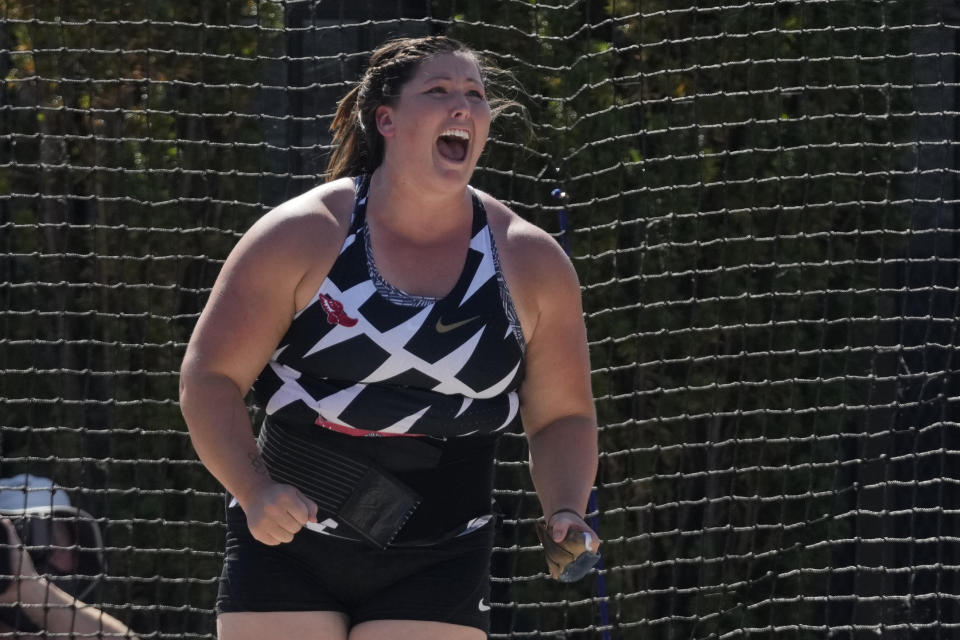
[447, 582]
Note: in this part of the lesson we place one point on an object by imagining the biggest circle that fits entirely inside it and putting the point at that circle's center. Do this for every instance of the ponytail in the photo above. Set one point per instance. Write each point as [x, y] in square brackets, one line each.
[349, 146]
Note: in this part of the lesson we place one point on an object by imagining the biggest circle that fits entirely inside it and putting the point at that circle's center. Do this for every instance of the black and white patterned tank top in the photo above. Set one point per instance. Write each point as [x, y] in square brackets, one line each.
[364, 358]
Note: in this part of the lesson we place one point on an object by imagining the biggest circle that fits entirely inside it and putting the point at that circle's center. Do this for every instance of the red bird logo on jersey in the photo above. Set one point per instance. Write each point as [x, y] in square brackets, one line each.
[335, 312]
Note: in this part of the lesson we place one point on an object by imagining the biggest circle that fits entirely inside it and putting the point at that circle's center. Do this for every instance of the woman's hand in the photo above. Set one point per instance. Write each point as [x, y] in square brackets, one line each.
[569, 544]
[276, 512]
[564, 521]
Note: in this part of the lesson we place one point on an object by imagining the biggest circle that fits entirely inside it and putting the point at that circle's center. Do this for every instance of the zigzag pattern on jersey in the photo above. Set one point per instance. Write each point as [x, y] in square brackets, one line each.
[369, 358]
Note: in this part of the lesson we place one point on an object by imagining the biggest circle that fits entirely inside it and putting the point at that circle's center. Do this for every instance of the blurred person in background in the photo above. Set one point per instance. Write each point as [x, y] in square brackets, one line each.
[51, 558]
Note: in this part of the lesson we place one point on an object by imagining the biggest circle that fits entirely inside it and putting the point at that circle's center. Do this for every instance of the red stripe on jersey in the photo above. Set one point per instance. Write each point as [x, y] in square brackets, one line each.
[352, 431]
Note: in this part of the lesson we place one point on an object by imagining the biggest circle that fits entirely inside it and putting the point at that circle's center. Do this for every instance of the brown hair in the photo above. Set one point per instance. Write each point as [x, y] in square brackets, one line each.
[358, 146]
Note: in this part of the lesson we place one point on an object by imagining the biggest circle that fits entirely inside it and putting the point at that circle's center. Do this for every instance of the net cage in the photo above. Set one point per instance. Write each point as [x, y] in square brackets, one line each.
[760, 199]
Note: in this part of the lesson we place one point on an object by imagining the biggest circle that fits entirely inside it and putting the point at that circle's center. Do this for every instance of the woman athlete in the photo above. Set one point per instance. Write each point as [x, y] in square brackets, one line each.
[392, 322]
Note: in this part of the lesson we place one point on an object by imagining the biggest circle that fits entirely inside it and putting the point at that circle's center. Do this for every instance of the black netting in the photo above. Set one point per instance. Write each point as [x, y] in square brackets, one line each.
[761, 201]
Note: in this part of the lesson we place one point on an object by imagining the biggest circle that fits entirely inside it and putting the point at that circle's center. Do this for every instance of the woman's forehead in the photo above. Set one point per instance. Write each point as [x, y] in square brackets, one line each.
[453, 66]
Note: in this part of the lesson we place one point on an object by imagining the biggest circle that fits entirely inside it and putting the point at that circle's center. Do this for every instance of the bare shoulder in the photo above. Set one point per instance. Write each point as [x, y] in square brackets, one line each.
[521, 240]
[298, 241]
[309, 219]
[539, 274]
[525, 246]
[266, 279]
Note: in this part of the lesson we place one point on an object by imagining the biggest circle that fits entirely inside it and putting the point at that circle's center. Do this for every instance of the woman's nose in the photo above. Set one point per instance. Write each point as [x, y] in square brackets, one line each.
[460, 107]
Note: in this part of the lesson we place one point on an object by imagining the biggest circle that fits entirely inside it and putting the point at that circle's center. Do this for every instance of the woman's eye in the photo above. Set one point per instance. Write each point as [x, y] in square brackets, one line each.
[475, 94]
[436, 90]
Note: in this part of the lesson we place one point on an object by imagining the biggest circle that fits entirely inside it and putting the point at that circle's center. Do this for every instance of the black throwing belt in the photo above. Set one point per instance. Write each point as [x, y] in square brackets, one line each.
[350, 489]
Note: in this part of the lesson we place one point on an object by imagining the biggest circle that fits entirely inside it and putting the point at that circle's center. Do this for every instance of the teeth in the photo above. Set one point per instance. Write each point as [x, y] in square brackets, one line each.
[456, 133]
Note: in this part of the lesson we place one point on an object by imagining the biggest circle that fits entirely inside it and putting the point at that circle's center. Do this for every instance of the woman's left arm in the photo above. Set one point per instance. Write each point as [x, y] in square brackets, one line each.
[556, 400]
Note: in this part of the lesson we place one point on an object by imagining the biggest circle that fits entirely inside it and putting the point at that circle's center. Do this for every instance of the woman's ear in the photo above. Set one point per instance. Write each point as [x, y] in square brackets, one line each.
[383, 116]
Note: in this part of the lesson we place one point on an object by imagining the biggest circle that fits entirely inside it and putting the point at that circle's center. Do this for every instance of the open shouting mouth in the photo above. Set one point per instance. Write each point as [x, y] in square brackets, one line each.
[453, 144]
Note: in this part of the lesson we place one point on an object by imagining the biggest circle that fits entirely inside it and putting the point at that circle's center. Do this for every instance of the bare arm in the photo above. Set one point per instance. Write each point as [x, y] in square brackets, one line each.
[57, 612]
[48, 606]
[251, 306]
[556, 399]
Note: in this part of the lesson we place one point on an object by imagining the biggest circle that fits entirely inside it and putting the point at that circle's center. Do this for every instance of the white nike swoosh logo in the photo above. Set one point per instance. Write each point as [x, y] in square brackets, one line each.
[443, 328]
[483, 607]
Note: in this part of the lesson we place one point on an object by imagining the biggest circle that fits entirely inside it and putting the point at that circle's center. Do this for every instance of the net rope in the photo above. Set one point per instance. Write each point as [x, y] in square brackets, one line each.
[760, 199]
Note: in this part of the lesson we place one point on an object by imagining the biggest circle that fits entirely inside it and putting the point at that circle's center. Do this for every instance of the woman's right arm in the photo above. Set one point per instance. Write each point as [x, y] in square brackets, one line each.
[260, 287]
